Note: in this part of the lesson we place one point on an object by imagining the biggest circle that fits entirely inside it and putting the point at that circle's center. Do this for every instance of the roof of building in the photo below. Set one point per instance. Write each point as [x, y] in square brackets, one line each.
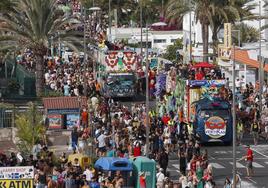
[64, 102]
[242, 56]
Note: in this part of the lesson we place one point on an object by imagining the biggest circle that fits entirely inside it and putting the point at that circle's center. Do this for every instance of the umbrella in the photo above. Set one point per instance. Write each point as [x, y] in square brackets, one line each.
[157, 24]
[203, 65]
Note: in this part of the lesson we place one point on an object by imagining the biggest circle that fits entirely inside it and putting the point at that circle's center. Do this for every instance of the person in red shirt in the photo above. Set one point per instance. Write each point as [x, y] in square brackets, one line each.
[199, 75]
[165, 119]
[142, 180]
[137, 150]
[249, 160]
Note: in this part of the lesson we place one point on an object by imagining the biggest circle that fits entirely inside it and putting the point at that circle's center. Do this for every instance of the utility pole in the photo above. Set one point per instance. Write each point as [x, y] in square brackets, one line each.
[110, 22]
[234, 123]
[147, 95]
[260, 63]
[141, 25]
[85, 12]
[190, 18]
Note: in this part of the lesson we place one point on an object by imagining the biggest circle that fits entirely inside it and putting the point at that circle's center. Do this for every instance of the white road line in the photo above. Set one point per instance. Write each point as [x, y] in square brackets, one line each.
[176, 166]
[257, 165]
[259, 152]
[230, 158]
[216, 165]
[238, 165]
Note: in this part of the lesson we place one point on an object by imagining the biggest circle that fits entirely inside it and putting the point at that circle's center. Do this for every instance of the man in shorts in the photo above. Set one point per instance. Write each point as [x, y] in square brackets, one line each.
[249, 160]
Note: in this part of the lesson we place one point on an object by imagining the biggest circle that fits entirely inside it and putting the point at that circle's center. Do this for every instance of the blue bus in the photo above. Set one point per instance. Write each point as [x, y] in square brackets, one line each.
[212, 120]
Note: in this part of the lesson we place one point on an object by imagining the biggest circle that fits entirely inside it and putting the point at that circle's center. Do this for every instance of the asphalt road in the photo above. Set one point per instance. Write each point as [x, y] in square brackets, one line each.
[221, 159]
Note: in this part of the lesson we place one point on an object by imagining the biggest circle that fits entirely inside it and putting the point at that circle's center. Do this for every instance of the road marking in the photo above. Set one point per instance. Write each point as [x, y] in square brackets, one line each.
[216, 165]
[257, 165]
[238, 165]
[230, 158]
[259, 152]
[176, 166]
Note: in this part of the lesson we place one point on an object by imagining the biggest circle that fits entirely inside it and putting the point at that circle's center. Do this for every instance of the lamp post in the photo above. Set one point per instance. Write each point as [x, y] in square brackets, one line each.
[84, 42]
[147, 95]
[234, 109]
[110, 22]
[260, 63]
[141, 24]
[234, 123]
[190, 29]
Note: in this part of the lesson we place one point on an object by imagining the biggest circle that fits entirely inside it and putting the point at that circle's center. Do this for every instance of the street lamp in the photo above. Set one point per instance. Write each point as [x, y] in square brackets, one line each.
[234, 111]
[234, 123]
[141, 24]
[260, 63]
[110, 22]
[147, 95]
[84, 20]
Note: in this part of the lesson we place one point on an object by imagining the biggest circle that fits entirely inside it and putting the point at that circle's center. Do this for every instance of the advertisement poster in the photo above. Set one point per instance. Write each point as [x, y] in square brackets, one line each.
[24, 183]
[17, 177]
[215, 127]
[55, 121]
[72, 120]
[18, 172]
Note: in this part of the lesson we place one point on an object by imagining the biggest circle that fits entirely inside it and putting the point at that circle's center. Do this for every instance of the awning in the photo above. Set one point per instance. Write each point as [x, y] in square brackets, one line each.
[241, 56]
[64, 102]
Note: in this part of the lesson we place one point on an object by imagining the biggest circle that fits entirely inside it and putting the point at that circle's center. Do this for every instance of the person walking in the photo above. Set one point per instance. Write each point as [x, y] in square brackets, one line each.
[163, 160]
[255, 128]
[240, 131]
[183, 162]
[160, 177]
[249, 159]
[74, 137]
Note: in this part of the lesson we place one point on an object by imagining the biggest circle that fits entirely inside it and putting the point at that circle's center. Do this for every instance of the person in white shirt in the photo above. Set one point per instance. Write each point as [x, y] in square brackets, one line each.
[89, 174]
[160, 177]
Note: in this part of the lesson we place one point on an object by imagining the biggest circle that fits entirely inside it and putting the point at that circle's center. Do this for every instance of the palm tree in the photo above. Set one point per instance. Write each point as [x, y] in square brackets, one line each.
[210, 13]
[230, 12]
[31, 24]
[30, 128]
[6, 5]
[203, 9]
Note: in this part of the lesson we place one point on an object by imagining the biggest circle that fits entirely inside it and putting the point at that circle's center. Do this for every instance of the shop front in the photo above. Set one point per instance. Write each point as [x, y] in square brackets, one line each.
[64, 112]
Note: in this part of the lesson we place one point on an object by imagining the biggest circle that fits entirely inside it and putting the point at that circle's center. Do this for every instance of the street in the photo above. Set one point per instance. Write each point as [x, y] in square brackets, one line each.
[221, 159]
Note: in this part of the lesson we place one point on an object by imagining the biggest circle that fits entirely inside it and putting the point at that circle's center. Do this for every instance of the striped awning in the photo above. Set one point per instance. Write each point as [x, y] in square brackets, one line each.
[64, 102]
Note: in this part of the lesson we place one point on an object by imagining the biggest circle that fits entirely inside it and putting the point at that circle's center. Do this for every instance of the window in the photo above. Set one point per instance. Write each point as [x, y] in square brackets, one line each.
[160, 40]
[173, 40]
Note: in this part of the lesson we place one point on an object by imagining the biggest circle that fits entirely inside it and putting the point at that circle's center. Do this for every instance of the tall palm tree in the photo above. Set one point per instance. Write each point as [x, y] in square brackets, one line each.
[203, 9]
[231, 12]
[210, 13]
[31, 24]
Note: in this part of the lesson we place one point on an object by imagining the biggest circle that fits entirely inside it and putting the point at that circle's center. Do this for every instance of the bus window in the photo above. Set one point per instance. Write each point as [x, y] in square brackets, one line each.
[215, 112]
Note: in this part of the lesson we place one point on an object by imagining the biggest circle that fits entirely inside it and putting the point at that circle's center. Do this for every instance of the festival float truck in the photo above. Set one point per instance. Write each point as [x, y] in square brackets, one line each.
[117, 73]
[207, 109]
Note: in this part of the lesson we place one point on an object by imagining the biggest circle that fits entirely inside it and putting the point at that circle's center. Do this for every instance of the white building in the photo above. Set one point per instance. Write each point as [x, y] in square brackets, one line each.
[156, 39]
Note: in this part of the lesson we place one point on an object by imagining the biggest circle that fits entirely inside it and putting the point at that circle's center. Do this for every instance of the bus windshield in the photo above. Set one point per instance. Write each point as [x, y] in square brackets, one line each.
[120, 79]
[223, 113]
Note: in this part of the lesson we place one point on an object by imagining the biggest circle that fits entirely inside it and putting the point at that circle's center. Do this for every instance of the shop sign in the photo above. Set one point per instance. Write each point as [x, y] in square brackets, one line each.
[18, 172]
[16, 183]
